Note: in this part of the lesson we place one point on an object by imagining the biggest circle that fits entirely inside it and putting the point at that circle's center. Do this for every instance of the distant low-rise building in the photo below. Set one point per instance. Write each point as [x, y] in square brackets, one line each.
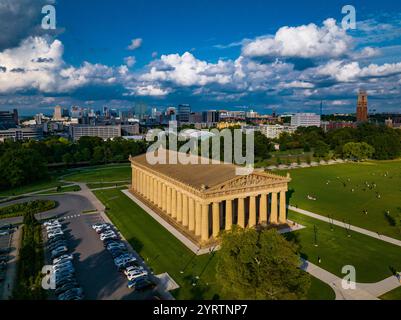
[225, 125]
[104, 132]
[20, 134]
[274, 131]
[334, 125]
[305, 120]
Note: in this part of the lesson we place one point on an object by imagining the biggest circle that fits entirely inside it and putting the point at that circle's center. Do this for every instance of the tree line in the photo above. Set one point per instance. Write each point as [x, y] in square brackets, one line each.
[22, 163]
[365, 141]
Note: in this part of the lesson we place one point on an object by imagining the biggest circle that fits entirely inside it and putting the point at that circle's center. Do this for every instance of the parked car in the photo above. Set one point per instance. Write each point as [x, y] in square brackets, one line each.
[136, 274]
[141, 284]
[103, 229]
[61, 281]
[117, 245]
[108, 236]
[66, 257]
[59, 252]
[5, 232]
[131, 269]
[57, 244]
[7, 227]
[55, 234]
[5, 250]
[62, 264]
[56, 238]
[66, 287]
[50, 222]
[53, 228]
[98, 225]
[73, 294]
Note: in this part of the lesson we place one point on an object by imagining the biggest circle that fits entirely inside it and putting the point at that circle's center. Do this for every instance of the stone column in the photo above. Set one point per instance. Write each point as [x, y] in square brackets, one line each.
[147, 186]
[205, 222]
[229, 214]
[198, 218]
[164, 197]
[185, 216]
[139, 182]
[151, 189]
[252, 212]
[241, 212]
[155, 192]
[174, 203]
[191, 213]
[168, 201]
[159, 194]
[133, 179]
[283, 208]
[263, 209]
[179, 206]
[274, 213]
[216, 219]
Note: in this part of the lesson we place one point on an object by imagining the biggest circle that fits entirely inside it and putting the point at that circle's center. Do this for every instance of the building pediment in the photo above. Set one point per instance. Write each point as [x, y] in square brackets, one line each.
[254, 180]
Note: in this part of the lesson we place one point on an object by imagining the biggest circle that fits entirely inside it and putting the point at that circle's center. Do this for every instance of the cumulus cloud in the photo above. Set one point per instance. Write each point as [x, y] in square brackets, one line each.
[20, 19]
[135, 44]
[41, 61]
[307, 41]
[130, 61]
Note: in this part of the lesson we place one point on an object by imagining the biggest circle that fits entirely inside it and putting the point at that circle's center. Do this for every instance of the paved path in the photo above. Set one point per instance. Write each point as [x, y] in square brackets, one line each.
[11, 272]
[363, 290]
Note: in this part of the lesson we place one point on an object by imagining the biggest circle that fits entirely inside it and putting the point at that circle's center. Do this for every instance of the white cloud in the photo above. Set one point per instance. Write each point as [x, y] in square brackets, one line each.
[130, 61]
[135, 44]
[307, 41]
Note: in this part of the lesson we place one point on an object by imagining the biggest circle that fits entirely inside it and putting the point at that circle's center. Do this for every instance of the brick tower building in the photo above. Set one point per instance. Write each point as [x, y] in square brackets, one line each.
[362, 107]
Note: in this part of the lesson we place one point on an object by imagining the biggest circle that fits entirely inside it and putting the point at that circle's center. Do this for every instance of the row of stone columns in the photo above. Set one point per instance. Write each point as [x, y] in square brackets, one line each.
[194, 214]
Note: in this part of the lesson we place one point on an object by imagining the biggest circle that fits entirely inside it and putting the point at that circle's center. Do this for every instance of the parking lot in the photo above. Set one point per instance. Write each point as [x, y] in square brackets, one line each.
[8, 254]
[95, 269]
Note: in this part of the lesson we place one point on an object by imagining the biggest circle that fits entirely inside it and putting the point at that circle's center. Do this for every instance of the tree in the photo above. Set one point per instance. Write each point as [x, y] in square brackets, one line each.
[321, 149]
[358, 151]
[260, 265]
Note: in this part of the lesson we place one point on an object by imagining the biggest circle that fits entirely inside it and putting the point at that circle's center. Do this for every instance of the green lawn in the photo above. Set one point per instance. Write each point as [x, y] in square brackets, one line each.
[320, 291]
[372, 258]
[332, 186]
[106, 185]
[105, 174]
[32, 188]
[164, 253]
[392, 295]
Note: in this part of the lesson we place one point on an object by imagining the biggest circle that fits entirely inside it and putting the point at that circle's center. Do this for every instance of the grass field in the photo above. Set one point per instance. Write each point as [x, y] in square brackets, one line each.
[345, 191]
[392, 295]
[164, 253]
[106, 174]
[106, 184]
[373, 259]
[32, 188]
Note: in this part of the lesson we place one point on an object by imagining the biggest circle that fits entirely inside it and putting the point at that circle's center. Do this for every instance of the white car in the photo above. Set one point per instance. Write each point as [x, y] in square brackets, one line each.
[132, 269]
[51, 228]
[66, 257]
[55, 234]
[136, 274]
[51, 222]
[99, 225]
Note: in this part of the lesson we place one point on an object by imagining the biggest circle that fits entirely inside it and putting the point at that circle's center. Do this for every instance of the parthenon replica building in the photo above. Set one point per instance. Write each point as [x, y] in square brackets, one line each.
[200, 200]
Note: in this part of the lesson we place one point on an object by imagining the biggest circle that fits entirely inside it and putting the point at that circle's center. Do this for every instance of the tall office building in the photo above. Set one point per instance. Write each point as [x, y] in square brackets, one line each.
[8, 119]
[184, 112]
[362, 106]
[58, 113]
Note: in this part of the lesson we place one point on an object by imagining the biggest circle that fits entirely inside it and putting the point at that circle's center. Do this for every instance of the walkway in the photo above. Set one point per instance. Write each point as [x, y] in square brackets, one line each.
[11, 271]
[363, 291]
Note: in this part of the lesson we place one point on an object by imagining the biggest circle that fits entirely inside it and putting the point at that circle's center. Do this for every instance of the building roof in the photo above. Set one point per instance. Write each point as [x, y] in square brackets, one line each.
[201, 176]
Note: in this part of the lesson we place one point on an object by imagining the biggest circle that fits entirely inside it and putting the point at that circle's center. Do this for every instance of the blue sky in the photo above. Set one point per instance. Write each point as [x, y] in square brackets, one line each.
[287, 55]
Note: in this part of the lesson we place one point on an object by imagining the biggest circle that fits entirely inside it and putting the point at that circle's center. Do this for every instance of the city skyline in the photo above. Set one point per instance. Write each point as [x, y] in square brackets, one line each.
[245, 63]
